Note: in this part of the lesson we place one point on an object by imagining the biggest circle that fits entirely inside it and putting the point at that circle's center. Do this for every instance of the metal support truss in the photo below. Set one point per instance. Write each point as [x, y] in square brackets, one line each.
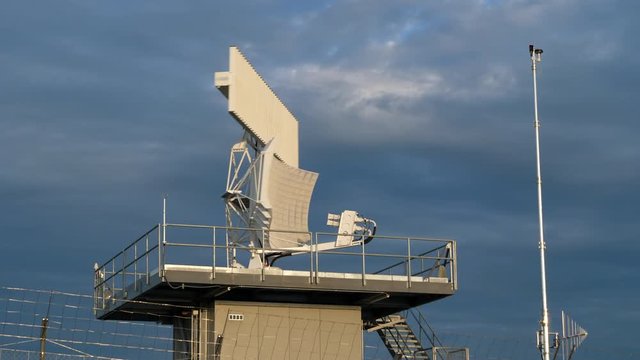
[240, 197]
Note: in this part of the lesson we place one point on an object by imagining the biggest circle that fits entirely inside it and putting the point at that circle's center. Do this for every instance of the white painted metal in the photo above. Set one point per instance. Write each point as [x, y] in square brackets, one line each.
[535, 55]
[285, 192]
[257, 108]
[351, 227]
[572, 336]
[267, 195]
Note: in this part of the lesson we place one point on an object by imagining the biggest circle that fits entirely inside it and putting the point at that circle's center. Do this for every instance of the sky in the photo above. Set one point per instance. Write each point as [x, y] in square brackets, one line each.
[417, 114]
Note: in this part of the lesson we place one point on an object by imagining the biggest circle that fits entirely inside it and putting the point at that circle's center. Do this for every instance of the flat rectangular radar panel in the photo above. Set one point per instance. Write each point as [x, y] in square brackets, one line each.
[257, 108]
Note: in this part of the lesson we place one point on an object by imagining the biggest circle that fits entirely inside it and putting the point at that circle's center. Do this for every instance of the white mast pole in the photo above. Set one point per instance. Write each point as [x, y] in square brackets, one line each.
[544, 322]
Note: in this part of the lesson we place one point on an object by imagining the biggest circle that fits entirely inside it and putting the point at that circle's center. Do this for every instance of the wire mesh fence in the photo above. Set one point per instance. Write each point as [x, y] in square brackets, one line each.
[73, 332]
[14, 354]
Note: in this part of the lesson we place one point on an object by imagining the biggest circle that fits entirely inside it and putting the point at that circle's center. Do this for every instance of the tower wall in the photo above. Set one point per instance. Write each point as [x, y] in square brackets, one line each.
[234, 330]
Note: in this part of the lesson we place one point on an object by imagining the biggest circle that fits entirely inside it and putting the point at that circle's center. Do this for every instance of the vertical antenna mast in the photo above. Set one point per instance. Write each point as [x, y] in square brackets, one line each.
[543, 333]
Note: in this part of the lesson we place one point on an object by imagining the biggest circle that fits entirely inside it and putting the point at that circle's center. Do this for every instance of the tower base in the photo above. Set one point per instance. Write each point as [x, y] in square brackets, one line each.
[235, 330]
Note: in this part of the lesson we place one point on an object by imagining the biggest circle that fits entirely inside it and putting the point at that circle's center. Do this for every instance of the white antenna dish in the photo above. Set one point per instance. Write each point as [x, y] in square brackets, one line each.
[267, 197]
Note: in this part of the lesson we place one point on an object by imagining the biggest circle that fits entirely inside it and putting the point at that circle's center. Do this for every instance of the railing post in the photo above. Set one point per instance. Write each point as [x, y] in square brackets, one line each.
[135, 266]
[213, 267]
[161, 230]
[146, 258]
[315, 249]
[310, 258]
[124, 271]
[113, 280]
[263, 258]
[454, 264]
[164, 237]
[103, 286]
[226, 244]
[364, 279]
[409, 262]
[95, 294]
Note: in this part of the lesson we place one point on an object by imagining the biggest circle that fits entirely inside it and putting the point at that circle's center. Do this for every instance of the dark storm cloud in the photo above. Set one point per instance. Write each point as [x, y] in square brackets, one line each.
[419, 115]
[452, 100]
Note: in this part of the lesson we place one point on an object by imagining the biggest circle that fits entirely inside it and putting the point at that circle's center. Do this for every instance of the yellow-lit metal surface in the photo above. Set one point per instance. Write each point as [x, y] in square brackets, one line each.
[286, 193]
[288, 331]
[257, 108]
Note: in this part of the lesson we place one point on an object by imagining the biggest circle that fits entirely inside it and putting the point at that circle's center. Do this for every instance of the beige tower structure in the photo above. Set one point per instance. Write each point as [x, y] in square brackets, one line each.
[263, 286]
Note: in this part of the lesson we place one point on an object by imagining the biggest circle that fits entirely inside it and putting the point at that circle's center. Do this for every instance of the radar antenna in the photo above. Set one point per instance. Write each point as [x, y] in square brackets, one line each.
[267, 196]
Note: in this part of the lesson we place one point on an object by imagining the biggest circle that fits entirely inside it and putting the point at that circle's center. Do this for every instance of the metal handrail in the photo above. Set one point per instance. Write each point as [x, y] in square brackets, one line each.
[129, 246]
[398, 338]
[123, 253]
[423, 325]
[106, 279]
[425, 330]
[419, 255]
[115, 274]
[391, 237]
[311, 248]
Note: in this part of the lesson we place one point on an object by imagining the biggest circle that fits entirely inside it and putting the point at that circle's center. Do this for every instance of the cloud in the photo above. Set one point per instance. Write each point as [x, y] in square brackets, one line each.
[416, 113]
[387, 104]
[366, 92]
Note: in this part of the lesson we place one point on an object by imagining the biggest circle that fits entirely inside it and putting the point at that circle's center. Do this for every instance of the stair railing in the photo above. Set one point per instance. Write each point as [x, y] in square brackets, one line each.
[426, 331]
[401, 341]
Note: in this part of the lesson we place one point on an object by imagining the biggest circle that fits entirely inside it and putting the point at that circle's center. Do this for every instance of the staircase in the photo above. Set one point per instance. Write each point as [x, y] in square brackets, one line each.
[398, 337]
[403, 343]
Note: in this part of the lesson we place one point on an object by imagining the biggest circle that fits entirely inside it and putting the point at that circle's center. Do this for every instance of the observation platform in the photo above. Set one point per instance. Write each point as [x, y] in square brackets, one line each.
[174, 267]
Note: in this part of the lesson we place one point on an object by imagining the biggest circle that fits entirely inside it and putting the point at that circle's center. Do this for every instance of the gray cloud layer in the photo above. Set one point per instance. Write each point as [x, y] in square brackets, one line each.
[421, 114]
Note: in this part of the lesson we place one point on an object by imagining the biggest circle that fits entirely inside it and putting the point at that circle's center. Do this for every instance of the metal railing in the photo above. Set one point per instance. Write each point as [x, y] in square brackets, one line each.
[142, 262]
[426, 335]
[440, 254]
[134, 266]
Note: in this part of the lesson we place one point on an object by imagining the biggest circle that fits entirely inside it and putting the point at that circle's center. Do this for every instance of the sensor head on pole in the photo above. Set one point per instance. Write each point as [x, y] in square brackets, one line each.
[536, 54]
